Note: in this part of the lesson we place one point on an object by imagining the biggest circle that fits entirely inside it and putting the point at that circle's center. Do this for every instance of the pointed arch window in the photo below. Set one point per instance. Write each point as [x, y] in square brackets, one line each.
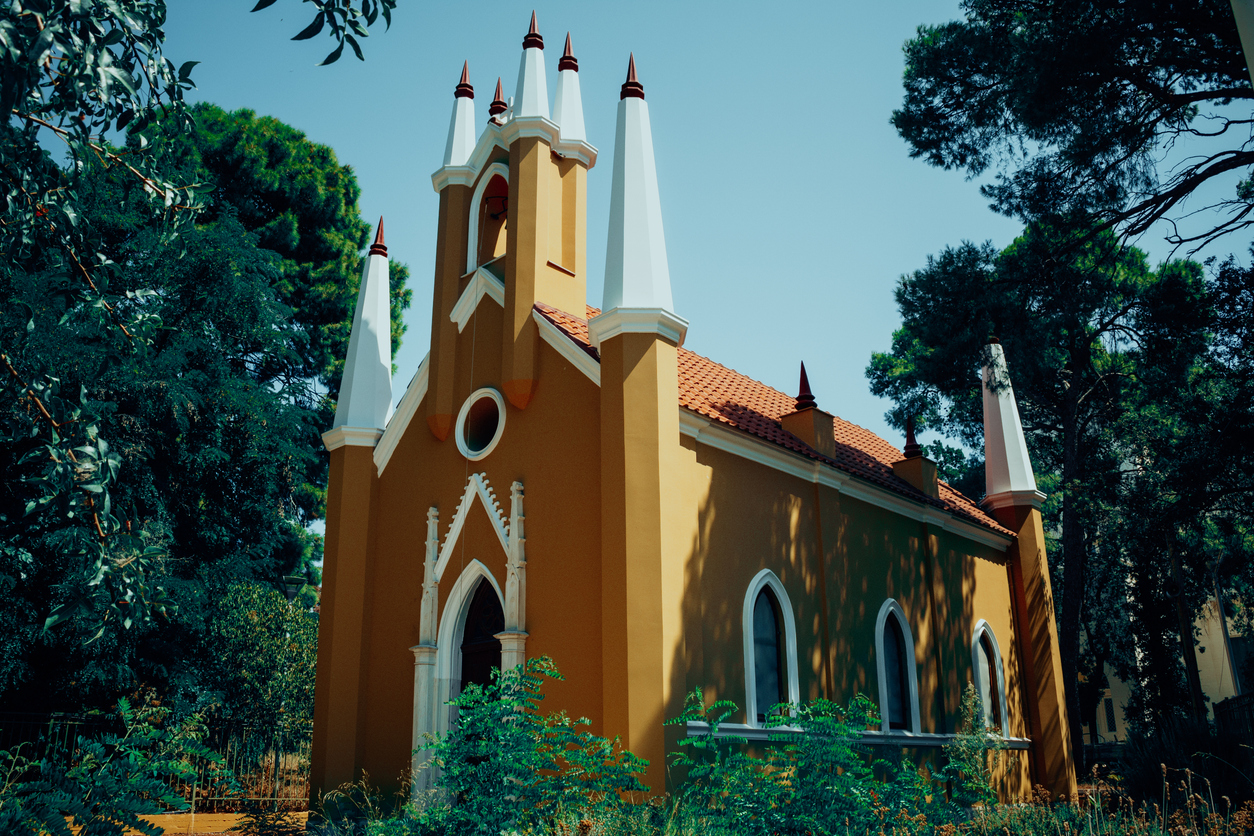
[989, 677]
[895, 667]
[770, 645]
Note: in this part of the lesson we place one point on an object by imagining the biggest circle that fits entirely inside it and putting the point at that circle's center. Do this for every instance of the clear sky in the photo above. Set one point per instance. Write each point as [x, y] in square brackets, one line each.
[791, 206]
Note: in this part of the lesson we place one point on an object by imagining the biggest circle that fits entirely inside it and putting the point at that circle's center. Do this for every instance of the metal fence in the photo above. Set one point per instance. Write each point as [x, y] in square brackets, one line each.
[1234, 718]
[264, 768]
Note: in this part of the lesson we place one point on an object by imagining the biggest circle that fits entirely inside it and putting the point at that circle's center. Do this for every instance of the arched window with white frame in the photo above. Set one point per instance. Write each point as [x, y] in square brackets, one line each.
[770, 645]
[489, 211]
[989, 677]
[896, 670]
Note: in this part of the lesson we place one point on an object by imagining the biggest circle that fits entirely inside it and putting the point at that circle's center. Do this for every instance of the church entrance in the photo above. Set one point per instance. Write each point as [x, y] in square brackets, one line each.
[480, 649]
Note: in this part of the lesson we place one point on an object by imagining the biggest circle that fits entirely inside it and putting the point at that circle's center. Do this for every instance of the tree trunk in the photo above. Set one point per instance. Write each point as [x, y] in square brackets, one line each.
[1188, 651]
[1074, 566]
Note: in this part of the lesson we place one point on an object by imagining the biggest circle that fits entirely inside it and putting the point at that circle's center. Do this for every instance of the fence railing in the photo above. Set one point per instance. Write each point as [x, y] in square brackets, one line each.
[269, 767]
[1234, 717]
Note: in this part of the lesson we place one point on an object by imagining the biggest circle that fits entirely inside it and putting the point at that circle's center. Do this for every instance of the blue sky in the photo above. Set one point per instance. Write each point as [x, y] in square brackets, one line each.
[791, 206]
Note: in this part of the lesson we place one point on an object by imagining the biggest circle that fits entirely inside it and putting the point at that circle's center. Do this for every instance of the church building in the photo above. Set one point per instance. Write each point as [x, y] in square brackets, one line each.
[564, 481]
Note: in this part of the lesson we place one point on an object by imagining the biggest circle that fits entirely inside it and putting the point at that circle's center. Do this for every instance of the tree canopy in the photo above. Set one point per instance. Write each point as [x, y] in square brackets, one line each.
[1080, 105]
[1093, 340]
[214, 419]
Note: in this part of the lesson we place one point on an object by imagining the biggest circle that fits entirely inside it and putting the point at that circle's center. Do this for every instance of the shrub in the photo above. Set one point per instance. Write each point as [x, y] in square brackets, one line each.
[505, 766]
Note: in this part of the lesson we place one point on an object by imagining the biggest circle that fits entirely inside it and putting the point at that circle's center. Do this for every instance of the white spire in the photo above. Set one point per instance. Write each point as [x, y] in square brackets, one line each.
[637, 295]
[532, 96]
[461, 129]
[568, 109]
[366, 390]
[1008, 475]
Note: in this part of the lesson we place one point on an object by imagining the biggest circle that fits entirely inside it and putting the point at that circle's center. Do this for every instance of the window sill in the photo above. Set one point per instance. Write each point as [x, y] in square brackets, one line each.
[901, 739]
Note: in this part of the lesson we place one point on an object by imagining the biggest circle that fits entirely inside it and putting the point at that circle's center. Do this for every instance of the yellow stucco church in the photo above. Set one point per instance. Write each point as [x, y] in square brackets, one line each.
[562, 481]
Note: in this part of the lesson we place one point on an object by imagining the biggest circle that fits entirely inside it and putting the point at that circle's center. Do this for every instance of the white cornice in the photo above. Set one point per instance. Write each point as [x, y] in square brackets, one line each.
[350, 437]
[566, 347]
[501, 136]
[1001, 500]
[483, 284]
[777, 458]
[540, 127]
[577, 149]
[466, 175]
[617, 321]
[405, 412]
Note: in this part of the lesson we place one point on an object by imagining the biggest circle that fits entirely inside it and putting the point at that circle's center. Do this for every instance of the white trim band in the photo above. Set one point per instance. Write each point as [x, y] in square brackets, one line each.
[351, 437]
[617, 321]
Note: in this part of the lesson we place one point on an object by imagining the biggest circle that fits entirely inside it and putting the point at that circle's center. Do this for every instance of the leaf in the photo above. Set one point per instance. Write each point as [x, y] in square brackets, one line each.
[334, 56]
[313, 29]
[262, 4]
[356, 49]
[185, 71]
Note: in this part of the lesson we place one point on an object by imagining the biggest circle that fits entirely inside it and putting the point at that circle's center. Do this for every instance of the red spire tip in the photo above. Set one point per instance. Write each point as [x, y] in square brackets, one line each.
[533, 38]
[913, 450]
[498, 102]
[567, 61]
[463, 89]
[631, 88]
[805, 398]
[378, 247]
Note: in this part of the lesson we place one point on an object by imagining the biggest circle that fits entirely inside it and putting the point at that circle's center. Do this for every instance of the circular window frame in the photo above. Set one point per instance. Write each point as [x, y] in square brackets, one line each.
[459, 431]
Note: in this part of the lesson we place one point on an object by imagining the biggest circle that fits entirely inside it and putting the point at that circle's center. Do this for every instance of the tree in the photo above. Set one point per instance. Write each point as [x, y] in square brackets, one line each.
[1074, 106]
[214, 419]
[71, 70]
[1079, 334]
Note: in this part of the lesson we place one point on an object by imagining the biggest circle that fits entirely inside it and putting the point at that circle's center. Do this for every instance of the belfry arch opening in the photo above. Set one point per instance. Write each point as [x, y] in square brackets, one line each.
[493, 212]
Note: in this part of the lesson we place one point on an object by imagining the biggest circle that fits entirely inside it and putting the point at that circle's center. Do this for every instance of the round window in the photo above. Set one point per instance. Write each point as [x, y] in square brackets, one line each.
[480, 423]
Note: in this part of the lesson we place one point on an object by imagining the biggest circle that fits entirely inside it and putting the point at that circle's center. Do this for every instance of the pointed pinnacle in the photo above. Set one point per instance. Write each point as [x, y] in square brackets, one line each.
[913, 450]
[568, 61]
[463, 89]
[533, 38]
[378, 247]
[631, 87]
[805, 398]
[498, 102]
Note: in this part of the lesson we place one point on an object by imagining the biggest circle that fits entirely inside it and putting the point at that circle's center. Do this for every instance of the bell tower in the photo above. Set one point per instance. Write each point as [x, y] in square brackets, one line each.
[513, 221]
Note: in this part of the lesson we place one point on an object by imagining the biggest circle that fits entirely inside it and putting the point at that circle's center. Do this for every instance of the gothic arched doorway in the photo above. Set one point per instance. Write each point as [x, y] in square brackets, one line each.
[480, 649]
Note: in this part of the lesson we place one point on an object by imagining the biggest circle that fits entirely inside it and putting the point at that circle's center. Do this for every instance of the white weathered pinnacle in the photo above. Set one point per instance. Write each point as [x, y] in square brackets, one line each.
[1008, 474]
[568, 109]
[637, 274]
[366, 390]
[532, 96]
[461, 132]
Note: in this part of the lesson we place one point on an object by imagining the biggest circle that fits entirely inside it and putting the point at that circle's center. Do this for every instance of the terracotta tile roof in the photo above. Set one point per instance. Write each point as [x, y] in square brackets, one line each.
[721, 394]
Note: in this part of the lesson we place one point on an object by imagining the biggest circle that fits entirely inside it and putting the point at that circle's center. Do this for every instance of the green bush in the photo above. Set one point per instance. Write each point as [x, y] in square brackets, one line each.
[505, 766]
[103, 784]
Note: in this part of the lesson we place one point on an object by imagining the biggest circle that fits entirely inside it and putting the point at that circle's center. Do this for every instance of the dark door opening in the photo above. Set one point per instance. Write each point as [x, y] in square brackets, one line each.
[481, 650]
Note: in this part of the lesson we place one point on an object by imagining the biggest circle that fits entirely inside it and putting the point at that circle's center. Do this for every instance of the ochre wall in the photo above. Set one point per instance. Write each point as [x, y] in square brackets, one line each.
[552, 448]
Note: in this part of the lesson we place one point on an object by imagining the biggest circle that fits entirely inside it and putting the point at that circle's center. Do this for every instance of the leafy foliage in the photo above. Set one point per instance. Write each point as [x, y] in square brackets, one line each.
[105, 784]
[819, 775]
[348, 20]
[261, 652]
[1076, 106]
[506, 766]
[1093, 337]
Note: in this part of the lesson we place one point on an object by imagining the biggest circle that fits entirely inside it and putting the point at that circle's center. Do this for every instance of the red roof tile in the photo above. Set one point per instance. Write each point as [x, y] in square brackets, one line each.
[721, 394]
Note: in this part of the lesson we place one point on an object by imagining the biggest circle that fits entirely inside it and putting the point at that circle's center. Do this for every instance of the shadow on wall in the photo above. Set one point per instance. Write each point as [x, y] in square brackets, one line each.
[752, 518]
